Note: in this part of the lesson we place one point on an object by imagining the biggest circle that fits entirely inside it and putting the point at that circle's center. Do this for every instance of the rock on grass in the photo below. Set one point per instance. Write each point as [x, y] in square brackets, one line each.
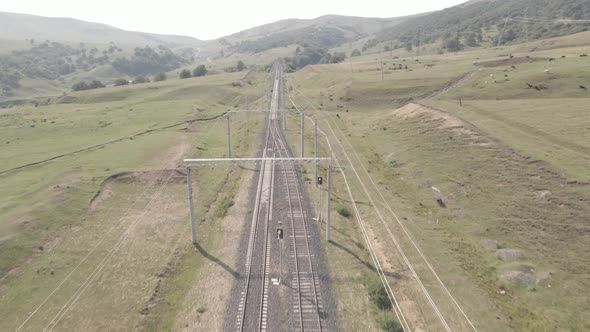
[510, 255]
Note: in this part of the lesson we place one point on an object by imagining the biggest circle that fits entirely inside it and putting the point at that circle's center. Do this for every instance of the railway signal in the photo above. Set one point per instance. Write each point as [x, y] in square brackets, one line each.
[279, 233]
[320, 180]
[232, 161]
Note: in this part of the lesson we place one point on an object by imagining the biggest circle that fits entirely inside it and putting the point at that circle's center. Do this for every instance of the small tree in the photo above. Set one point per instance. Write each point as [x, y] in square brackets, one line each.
[343, 211]
[201, 70]
[141, 79]
[378, 294]
[240, 66]
[95, 84]
[185, 73]
[471, 40]
[452, 44]
[121, 81]
[355, 52]
[160, 77]
[80, 86]
[338, 57]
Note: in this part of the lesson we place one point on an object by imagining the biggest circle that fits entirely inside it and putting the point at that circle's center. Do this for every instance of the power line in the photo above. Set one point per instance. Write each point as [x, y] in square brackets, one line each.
[141, 196]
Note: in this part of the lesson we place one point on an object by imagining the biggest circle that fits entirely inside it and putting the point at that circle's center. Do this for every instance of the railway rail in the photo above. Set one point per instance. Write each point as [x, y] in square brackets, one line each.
[305, 310]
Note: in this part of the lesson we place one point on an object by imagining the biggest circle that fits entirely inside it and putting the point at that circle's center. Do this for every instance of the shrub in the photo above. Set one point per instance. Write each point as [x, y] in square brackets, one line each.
[452, 44]
[160, 77]
[141, 79]
[121, 81]
[378, 294]
[224, 207]
[240, 66]
[185, 73]
[343, 211]
[95, 84]
[388, 323]
[337, 57]
[80, 86]
[201, 70]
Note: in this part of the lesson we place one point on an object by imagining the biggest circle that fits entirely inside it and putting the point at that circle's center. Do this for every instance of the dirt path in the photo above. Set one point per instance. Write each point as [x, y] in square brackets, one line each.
[451, 85]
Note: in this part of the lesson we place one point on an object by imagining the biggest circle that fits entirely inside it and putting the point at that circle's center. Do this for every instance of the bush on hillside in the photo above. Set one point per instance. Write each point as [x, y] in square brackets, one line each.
[95, 84]
[388, 323]
[343, 211]
[452, 44]
[149, 60]
[378, 294]
[160, 77]
[121, 81]
[141, 79]
[201, 70]
[185, 73]
[81, 86]
[337, 57]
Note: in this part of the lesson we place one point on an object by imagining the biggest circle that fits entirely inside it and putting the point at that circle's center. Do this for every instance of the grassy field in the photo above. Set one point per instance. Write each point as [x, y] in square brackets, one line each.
[119, 201]
[511, 165]
[506, 160]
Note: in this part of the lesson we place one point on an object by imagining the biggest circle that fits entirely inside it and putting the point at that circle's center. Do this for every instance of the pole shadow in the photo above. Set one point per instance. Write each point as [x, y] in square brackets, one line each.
[217, 261]
[395, 275]
[336, 197]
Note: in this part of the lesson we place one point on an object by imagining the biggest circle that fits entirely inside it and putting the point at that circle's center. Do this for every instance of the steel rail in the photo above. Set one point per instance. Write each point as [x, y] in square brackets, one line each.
[283, 150]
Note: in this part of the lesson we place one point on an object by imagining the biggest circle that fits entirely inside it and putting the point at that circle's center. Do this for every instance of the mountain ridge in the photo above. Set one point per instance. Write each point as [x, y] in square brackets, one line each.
[64, 29]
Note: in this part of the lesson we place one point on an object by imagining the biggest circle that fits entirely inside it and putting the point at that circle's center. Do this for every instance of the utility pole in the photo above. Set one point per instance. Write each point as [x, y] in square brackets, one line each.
[381, 63]
[329, 193]
[302, 129]
[315, 150]
[228, 138]
[190, 205]
[391, 48]
[247, 116]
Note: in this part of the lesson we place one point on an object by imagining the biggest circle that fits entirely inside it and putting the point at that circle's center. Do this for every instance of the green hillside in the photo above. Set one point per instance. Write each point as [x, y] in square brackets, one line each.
[484, 21]
[324, 31]
[40, 55]
[22, 26]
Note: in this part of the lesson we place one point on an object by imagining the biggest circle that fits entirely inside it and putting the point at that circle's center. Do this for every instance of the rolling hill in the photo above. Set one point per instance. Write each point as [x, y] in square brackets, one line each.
[22, 26]
[484, 21]
[324, 32]
[328, 38]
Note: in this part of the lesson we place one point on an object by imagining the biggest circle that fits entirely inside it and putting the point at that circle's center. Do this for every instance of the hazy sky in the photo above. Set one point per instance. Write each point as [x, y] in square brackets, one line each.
[212, 18]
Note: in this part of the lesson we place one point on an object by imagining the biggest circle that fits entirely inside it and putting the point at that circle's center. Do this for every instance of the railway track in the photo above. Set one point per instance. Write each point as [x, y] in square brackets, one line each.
[305, 296]
[255, 304]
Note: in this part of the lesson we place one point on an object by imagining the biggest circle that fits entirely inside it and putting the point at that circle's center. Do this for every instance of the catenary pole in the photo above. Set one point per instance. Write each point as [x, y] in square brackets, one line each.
[190, 205]
[228, 138]
[302, 130]
[315, 150]
[329, 191]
